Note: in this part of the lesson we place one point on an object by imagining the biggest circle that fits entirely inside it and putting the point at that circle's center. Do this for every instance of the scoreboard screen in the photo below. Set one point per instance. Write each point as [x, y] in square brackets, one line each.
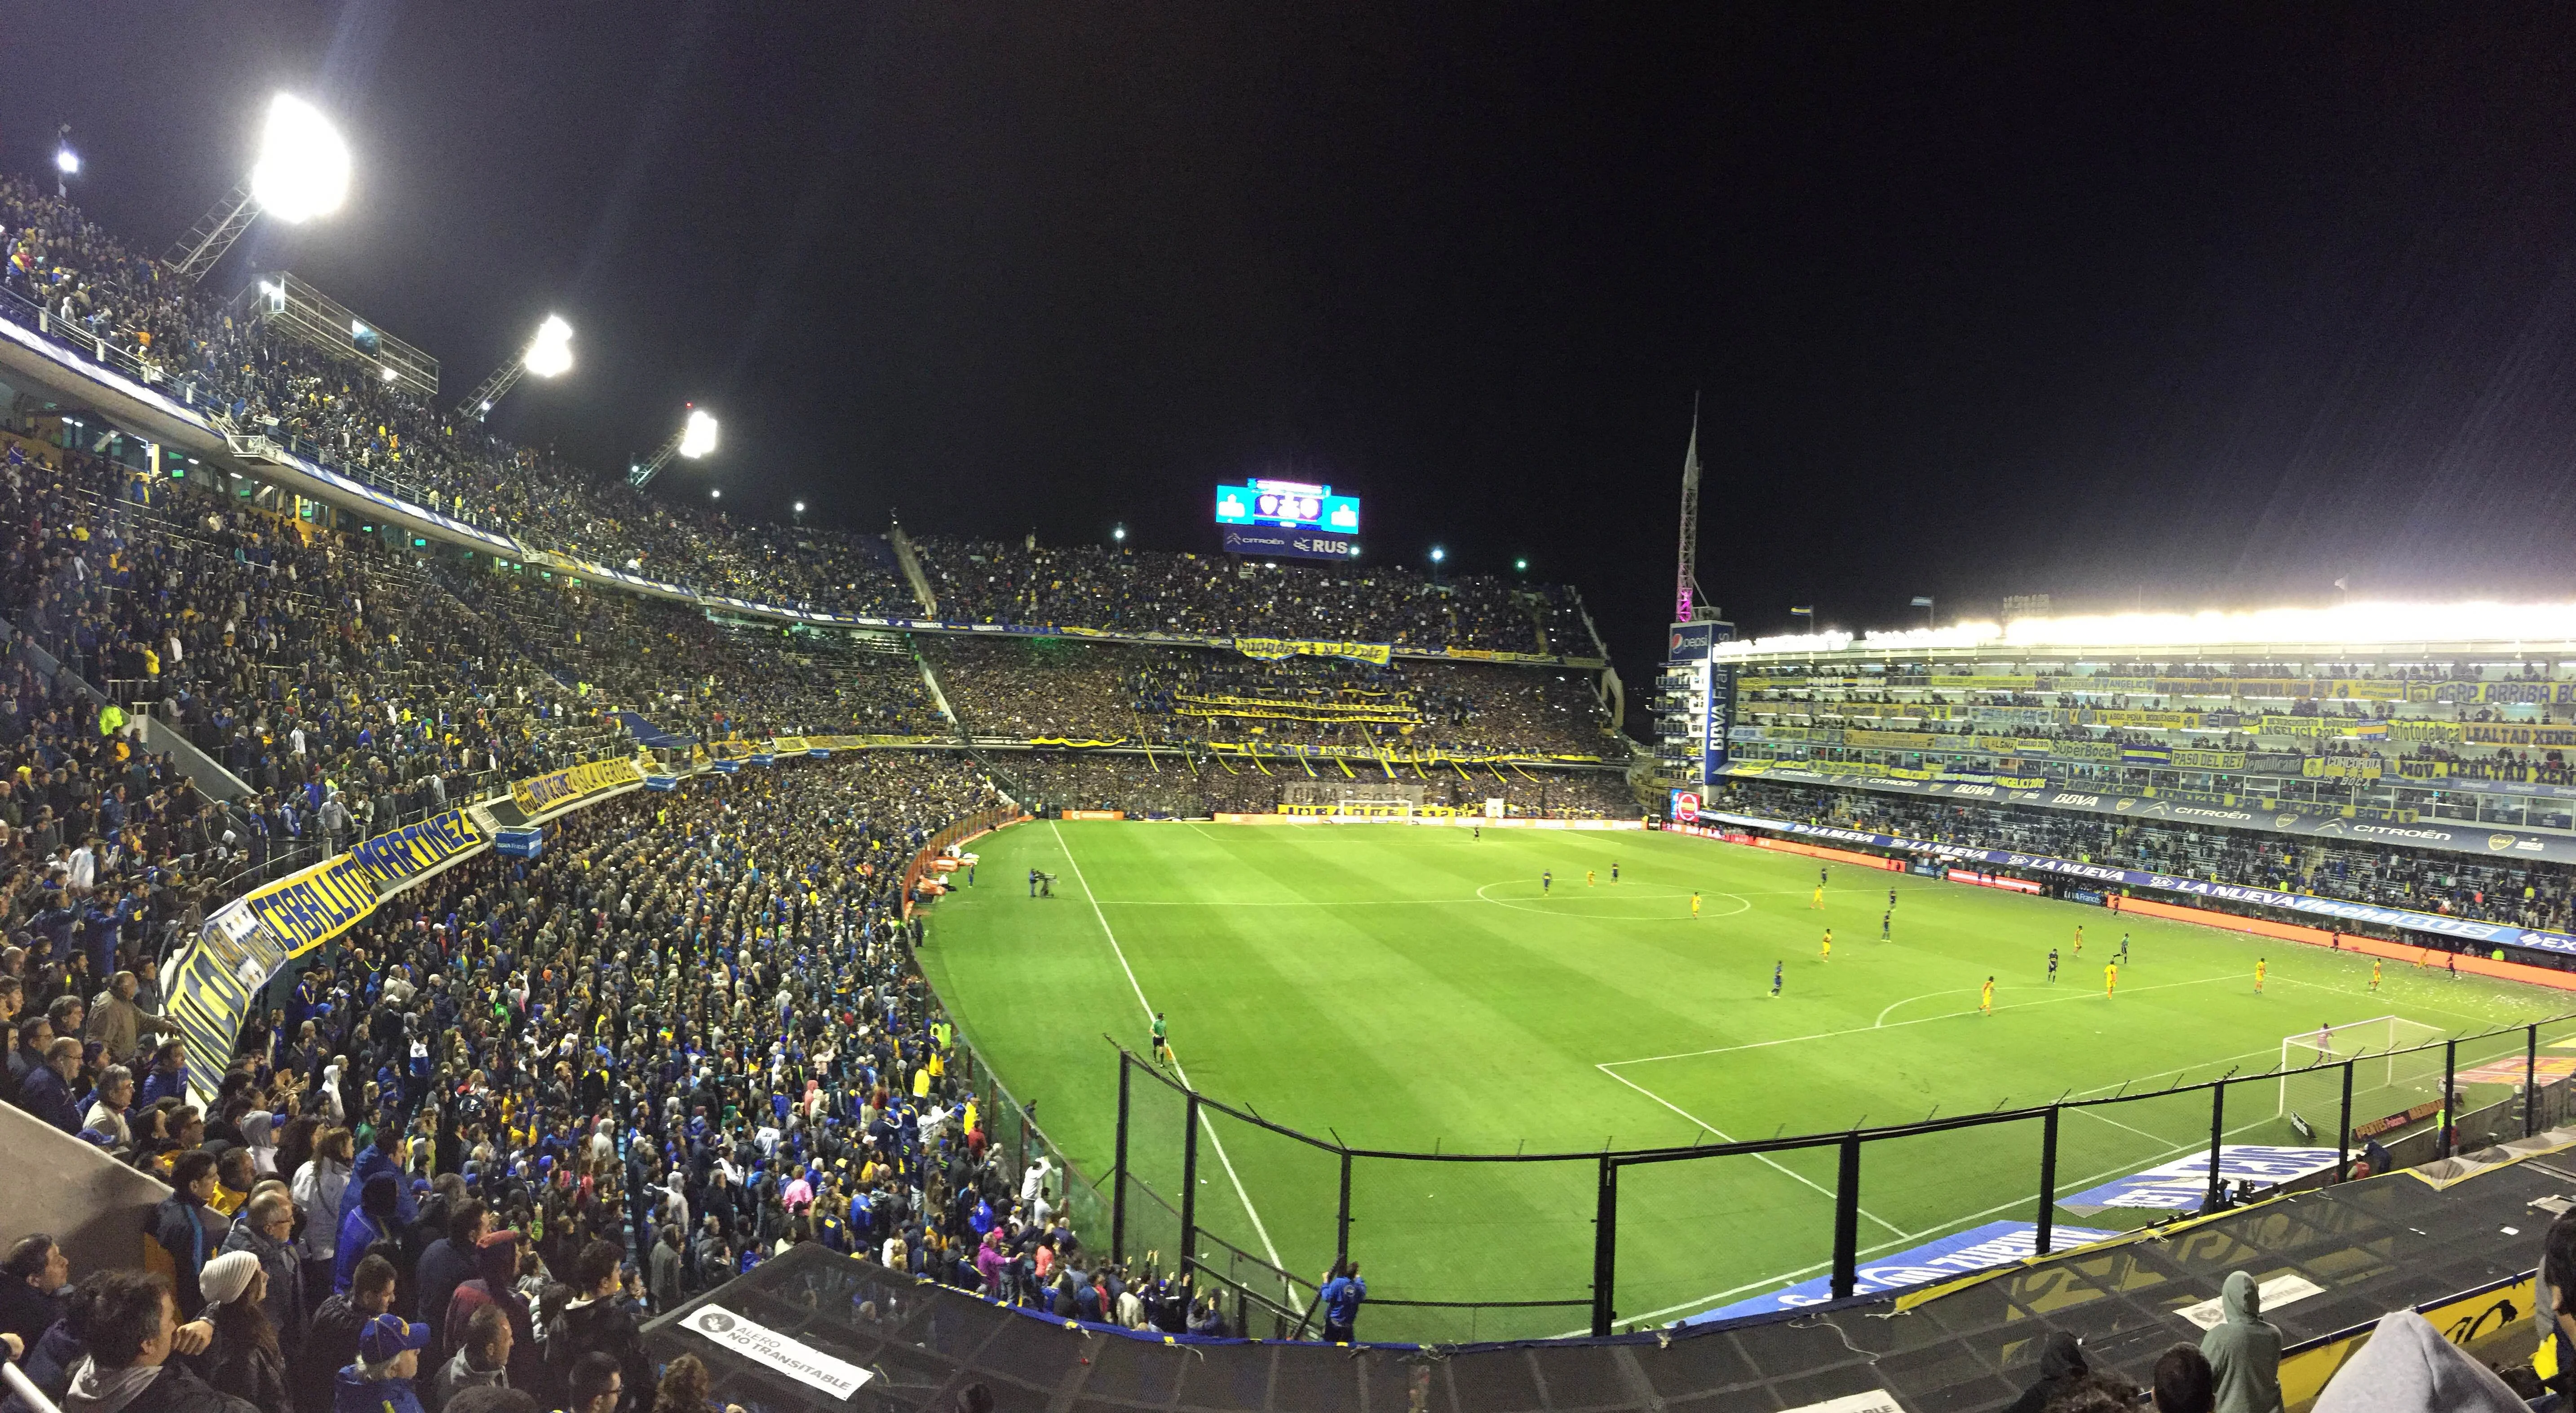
[1288, 518]
[1288, 505]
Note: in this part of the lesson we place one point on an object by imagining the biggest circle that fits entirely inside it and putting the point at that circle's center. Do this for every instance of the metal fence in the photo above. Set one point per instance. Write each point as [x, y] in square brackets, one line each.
[1462, 1247]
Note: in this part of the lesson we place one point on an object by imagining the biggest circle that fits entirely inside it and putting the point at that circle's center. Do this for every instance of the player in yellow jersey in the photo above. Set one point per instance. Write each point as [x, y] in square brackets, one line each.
[1828, 953]
[1694, 905]
[2079, 939]
[2374, 973]
[1986, 998]
[2260, 967]
[1587, 878]
[2111, 979]
[1817, 901]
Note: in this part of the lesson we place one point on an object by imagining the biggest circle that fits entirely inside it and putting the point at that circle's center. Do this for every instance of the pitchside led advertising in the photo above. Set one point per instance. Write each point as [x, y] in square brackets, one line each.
[1290, 518]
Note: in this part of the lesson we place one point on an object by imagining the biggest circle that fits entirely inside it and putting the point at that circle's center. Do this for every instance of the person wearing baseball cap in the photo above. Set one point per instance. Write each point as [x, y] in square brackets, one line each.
[388, 1359]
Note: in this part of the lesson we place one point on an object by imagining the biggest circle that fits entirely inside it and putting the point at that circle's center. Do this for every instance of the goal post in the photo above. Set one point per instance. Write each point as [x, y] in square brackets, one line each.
[2392, 1058]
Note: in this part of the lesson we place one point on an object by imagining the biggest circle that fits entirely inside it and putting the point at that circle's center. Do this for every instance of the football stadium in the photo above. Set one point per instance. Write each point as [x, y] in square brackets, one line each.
[490, 931]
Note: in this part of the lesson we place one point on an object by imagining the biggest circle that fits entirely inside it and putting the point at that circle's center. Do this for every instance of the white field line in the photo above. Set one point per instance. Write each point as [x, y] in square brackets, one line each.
[2079, 1184]
[1724, 1137]
[2080, 994]
[1268, 1247]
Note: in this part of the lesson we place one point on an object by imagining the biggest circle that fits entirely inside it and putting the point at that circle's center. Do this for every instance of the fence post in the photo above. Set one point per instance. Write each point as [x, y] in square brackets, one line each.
[1342, 1224]
[2531, 1079]
[2217, 1135]
[2343, 1130]
[1189, 1182]
[2450, 1061]
[1605, 1245]
[1847, 1219]
[2047, 1180]
[1118, 1173]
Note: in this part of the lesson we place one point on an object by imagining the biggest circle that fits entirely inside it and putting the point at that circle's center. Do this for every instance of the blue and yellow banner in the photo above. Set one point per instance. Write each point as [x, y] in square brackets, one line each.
[546, 792]
[1274, 648]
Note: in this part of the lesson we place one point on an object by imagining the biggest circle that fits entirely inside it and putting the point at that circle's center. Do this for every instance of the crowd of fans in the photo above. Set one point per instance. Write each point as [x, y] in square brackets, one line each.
[531, 1100]
[224, 359]
[1064, 689]
[1193, 783]
[2523, 893]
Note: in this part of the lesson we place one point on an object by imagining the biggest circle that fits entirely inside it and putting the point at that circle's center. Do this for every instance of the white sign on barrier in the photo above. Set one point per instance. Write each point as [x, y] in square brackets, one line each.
[792, 1357]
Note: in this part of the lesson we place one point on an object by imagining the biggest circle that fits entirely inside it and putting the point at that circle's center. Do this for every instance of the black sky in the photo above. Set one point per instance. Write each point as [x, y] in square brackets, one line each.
[2183, 305]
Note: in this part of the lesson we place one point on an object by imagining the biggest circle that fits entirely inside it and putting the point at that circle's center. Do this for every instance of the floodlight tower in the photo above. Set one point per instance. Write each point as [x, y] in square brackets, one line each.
[696, 438]
[547, 355]
[302, 172]
[66, 161]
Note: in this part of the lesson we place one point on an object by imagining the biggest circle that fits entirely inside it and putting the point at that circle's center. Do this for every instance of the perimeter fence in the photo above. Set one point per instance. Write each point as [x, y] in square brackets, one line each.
[1472, 1247]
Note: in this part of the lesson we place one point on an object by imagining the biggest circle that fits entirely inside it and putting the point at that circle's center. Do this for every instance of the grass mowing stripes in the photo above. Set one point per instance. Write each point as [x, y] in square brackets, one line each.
[1417, 988]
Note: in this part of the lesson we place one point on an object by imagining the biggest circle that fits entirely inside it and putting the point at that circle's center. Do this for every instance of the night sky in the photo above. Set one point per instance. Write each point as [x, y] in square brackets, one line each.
[2190, 308]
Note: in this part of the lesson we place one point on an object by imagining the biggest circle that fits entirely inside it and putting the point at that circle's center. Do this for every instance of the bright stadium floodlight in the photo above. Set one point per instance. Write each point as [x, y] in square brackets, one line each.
[695, 439]
[302, 172]
[699, 436]
[548, 355]
[67, 162]
[715, 493]
[303, 168]
[1438, 554]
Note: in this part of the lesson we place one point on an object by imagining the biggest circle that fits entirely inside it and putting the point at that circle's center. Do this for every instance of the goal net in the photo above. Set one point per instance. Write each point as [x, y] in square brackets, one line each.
[2396, 1064]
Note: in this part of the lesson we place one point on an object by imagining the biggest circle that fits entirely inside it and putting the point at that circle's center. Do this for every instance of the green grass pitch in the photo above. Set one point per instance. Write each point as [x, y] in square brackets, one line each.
[1412, 988]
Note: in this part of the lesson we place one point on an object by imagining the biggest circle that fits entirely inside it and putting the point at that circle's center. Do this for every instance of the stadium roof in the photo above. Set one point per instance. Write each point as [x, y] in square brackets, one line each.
[2346, 632]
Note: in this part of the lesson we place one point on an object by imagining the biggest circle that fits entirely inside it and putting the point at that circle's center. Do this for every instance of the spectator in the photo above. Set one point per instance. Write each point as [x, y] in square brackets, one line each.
[1342, 1295]
[593, 1324]
[482, 1358]
[368, 1225]
[245, 1359]
[2407, 1367]
[380, 1381]
[119, 1025]
[684, 1387]
[2062, 1367]
[264, 1231]
[114, 1095]
[2183, 1382]
[2244, 1351]
[47, 1093]
[597, 1385]
[331, 1341]
[187, 1228]
[448, 1263]
[317, 1187]
[129, 1324]
[32, 1278]
[668, 1263]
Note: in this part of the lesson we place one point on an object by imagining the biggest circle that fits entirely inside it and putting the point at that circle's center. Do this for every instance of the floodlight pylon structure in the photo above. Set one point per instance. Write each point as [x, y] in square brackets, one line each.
[696, 437]
[548, 354]
[1686, 590]
[302, 172]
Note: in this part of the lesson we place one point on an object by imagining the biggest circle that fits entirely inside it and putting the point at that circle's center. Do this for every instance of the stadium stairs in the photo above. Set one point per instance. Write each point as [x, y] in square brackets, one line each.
[158, 736]
[912, 571]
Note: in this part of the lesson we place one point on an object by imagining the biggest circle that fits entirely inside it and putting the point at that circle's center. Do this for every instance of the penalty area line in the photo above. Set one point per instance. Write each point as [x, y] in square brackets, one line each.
[1725, 1137]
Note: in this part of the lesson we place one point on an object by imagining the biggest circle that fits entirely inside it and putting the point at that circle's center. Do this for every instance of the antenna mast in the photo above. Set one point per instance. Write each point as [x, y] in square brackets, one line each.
[1686, 582]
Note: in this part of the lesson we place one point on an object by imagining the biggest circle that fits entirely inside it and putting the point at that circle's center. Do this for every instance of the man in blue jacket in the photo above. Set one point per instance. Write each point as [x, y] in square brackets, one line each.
[1342, 1296]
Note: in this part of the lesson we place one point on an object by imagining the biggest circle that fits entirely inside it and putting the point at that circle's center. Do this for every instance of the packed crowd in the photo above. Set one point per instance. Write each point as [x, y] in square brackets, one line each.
[1149, 591]
[226, 360]
[1063, 689]
[529, 1100]
[1193, 783]
[2523, 894]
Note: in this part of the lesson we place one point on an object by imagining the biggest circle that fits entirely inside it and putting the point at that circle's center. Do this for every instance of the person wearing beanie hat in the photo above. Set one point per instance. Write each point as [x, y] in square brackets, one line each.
[244, 1359]
[388, 1360]
[225, 1277]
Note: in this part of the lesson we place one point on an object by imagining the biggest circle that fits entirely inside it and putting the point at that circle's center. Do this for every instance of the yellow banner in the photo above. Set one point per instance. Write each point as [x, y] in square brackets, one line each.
[1899, 740]
[2190, 759]
[2505, 733]
[1986, 684]
[2168, 720]
[2341, 768]
[548, 792]
[2425, 731]
[1274, 648]
[2274, 724]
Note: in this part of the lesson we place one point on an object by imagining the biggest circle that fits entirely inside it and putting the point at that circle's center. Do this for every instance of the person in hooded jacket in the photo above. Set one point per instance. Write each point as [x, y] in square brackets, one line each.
[370, 1221]
[2407, 1367]
[128, 1323]
[2061, 1367]
[2244, 1350]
